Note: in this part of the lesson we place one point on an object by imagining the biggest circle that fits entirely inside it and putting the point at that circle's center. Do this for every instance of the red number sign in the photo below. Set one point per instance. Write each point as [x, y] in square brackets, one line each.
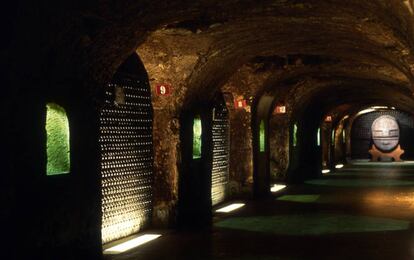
[280, 110]
[163, 90]
[241, 103]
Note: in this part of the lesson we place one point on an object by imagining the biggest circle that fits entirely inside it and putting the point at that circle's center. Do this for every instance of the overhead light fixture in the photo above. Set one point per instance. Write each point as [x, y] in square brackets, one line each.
[277, 187]
[326, 171]
[132, 243]
[380, 107]
[339, 166]
[230, 207]
[372, 109]
[365, 111]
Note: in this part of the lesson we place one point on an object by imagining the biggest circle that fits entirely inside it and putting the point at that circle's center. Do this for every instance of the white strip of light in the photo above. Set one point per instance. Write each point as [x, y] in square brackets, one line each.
[230, 207]
[277, 187]
[339, 166]
[326, 171]
[134, 242]
[380, 107]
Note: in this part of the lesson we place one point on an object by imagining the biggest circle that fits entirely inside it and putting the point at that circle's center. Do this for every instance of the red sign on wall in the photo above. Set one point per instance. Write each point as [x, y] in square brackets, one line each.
[328, 119]
[241, 103]
[280, 110]
[163, 90]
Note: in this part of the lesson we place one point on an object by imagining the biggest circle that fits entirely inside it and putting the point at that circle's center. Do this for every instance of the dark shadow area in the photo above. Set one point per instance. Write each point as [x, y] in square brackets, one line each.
[194, 201]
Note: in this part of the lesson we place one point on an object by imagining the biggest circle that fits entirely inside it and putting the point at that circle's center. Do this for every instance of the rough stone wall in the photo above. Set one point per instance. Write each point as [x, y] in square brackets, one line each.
[176, 56]
[166, 159]
[325, 143]
[279, 141]
[241, 160]
[340, 142]
[246, 83]
[169, 59]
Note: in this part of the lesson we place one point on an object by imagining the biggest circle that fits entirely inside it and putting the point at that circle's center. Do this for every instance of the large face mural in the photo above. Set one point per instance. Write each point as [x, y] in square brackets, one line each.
[385, 133]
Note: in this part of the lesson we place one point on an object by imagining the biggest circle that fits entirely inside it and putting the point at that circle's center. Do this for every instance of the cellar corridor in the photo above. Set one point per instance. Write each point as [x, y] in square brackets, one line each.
[363, 211]
[206, 129]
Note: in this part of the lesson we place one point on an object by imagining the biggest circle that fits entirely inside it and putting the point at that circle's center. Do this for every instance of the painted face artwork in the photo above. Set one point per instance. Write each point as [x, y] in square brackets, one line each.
[385, 133]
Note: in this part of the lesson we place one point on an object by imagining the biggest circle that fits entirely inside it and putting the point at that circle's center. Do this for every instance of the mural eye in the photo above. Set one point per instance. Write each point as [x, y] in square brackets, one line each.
[393, 132]
[377, 132]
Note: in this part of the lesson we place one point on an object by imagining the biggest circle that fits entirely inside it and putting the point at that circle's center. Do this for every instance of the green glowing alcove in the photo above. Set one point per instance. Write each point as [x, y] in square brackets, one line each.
[58, 148]
[262, 136]
[295, 134]
[343, 136]
[197, 131]
[318, 137]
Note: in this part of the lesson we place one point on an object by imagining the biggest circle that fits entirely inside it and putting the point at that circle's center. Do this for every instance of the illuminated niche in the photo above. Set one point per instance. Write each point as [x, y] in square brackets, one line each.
[57, 144]
[197, 131]
[262, 136]
[295, 134]
[343, 136]
[318, 137]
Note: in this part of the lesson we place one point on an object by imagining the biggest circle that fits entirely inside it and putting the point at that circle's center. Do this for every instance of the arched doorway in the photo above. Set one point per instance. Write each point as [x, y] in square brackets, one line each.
[126, 152]
[204, 171]
[220, 160]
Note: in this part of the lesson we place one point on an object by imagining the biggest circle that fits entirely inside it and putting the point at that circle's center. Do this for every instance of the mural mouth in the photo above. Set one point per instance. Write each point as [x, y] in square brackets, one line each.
[392, 137]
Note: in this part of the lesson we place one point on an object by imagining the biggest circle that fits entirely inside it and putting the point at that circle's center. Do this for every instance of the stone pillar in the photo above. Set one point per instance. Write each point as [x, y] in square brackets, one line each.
[279, 137]
[166, 158]
[241, 153]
